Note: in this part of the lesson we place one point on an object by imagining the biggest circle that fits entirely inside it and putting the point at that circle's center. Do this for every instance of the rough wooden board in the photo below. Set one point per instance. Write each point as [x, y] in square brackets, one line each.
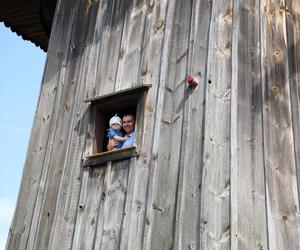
[281, 179]
[79, 222]
[187, 227]
[100, 221]
[112, 152]
[88, 212]
[110, 156]
[293, 38]
[215, 223]
[110, 47]
[98, 44]
[79, 217]
[112, 206]
[134, 221]
[132, 45]
[135, 90]
[161, 28]
[164, 183]
[248, 221]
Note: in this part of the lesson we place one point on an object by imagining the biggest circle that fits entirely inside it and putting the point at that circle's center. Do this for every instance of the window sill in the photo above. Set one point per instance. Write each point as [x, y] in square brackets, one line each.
[110, 156]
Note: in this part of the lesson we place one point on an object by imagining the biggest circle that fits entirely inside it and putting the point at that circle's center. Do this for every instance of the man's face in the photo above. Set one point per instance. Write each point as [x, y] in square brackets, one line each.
[128, 123]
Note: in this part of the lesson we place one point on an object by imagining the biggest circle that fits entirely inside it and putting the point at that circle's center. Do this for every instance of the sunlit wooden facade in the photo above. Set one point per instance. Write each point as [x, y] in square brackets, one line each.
[218, 166]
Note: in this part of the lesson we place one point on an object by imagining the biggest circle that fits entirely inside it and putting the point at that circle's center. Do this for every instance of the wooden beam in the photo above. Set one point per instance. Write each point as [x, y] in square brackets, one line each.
[109, 156]
[134, 91]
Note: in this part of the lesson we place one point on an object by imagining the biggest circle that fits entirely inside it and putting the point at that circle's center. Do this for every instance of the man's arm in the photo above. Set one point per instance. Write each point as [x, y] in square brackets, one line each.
[119, 138]
[111, 144]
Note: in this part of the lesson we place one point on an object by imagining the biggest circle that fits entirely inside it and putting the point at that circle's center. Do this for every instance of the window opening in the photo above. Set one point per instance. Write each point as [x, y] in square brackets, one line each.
[128, 101]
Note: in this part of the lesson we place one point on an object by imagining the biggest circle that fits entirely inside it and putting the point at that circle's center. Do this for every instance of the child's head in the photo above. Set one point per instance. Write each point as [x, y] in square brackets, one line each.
[115, 123]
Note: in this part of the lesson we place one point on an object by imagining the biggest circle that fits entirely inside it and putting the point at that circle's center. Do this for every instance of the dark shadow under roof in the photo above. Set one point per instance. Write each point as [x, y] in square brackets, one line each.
[30, 19]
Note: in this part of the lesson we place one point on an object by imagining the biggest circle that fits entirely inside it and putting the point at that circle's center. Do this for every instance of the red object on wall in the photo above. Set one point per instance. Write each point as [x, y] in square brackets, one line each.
[192, 82]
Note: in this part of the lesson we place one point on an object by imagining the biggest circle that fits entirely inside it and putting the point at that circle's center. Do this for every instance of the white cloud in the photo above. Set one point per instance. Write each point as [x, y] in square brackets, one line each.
[7, 207]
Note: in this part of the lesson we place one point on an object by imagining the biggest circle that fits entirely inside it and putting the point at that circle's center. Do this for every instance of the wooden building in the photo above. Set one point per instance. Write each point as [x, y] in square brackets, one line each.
[217, 166]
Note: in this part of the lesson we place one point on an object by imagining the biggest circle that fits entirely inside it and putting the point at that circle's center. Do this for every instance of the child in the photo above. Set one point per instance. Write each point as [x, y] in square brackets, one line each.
[114, 133]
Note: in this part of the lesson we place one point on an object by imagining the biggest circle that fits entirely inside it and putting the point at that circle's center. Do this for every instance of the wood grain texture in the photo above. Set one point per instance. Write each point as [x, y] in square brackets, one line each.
[67, 140]
[131, 47]
[187, 226]
[88, 209]
[293, 37]
[281, 181]
[67, 198]
[135, 221]
[163, 205]
[114, 23]
[247, 192]
[46, 115]
[218, 166]
[215, 223]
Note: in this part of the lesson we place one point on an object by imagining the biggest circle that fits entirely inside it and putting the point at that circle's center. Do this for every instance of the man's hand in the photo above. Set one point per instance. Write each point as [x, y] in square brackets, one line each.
[111, 144]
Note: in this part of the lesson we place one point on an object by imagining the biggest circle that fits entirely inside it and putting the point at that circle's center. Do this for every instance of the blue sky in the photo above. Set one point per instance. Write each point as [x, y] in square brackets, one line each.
[21, 70]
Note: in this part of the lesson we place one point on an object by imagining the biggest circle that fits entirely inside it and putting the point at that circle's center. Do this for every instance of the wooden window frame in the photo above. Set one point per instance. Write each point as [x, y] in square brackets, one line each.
[132, 97]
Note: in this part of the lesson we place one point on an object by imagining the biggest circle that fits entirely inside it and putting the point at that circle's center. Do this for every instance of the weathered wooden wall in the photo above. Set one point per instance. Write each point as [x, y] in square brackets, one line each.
[218, 166]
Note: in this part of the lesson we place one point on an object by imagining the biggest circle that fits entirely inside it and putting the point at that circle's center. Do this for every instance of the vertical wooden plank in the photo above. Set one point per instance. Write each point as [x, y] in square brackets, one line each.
[247, 190]
[81, 213]
[110, 46]
[132, 45]
[136, 200]
[281, 180]
[293, 38]
[164, 59]
[89, 211]
[112, 212]
[189, 185]
[102, 207]
[163, 185]
[98, 45]
[215, 224]
[40, 136]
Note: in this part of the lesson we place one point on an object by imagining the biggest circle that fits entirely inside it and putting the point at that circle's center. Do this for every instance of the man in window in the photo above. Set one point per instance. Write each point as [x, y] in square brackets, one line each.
[128, 123]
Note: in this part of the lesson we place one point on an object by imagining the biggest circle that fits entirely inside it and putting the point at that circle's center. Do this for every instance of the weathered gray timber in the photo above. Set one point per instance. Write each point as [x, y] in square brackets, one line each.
[247, 199]
[280, 165]
[217, 166]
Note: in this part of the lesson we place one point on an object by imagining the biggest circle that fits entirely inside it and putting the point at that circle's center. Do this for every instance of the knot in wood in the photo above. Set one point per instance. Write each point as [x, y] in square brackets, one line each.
[88, 4]
[252, 12]
[67, 106]
[282, 9]
[227, 50]
[267, 108]
[275, 89]
[271, 10]
[228, 15]
[277, 55]
[72, 46]
[159, 26]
